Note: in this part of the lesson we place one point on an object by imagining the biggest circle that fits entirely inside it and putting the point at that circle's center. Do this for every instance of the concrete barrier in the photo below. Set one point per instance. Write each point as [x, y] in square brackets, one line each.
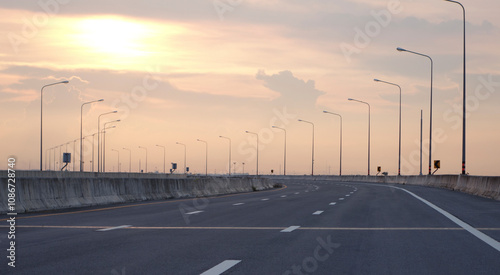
[488, 187]
[40, 191]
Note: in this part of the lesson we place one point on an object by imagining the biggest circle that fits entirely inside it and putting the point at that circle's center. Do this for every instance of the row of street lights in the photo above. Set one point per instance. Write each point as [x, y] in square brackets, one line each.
[101, 167]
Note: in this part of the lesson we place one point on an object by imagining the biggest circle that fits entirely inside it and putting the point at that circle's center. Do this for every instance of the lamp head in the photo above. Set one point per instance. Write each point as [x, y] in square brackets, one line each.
[350, 99]
[400, 49]
[376, 80]
[100, 100]
[65, 81]
[300, 120]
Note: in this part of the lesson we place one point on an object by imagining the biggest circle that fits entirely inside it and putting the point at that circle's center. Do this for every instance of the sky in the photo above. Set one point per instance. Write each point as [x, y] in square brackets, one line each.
[179, 71]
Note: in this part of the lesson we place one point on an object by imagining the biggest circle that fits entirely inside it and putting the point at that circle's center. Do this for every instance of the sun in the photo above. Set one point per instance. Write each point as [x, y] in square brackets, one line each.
[113, 36]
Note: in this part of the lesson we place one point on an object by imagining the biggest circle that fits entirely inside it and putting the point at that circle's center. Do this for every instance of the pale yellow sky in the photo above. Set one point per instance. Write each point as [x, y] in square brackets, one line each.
[178, 72]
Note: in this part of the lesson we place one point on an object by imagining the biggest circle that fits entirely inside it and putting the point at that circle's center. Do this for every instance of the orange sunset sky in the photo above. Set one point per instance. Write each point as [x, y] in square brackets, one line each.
[178, 71]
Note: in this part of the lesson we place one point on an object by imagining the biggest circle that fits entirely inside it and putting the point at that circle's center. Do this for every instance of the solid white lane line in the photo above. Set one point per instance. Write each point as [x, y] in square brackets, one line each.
[221, 268]
[290, 229]
[333, 203]
[194, 212]
[240, 203]
[318, 212]
[480, 235]
[113, 228]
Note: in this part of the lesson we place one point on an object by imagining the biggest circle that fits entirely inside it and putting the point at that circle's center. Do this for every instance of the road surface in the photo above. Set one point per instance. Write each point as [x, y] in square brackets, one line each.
[306, 227]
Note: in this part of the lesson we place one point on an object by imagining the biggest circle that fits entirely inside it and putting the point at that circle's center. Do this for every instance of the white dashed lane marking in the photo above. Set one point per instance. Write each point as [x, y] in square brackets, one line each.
[221, 268]
[264, 199]
[240, 203]
[290, 229]
[333, 203]
[318, 212]
[194, 212]
[113, 228]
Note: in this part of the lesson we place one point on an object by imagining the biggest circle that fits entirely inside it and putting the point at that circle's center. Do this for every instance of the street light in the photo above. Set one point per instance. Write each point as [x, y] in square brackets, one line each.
[399, 159]
[185, 170]
[118, 158]
[81, 130]
[229, 153]
[74, 154]
[430, 131]
[163, 157]
[206, 156]
[129, 160]
[41, 118]
[284, 151]
[257, 135]
[146, 157]
[369, 119]
[312, 159]
[326, 112]
[104, 145]
[99, 139]
[464, 93]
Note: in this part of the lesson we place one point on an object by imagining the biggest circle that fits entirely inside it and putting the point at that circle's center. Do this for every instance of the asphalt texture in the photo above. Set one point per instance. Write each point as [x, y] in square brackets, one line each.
[339, 228]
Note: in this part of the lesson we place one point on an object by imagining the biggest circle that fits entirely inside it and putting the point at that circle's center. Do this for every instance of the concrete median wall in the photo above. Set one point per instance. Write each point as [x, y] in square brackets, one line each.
[40, 191]
[488, 187]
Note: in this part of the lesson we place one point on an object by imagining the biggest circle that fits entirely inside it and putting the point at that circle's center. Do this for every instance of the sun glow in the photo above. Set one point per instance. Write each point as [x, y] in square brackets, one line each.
[114, 36]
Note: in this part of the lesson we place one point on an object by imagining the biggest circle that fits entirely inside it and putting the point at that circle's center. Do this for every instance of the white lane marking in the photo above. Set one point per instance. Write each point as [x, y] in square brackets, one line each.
[307, 191]
[341, 199]
[240, 203]
[480, 235]
[290, 229]
[347, 195]
[296, 193]
[318, 212]
[113, 228]
[264, 199]
[194, 212]
[284, 196]
[333, 203]
[221, 268]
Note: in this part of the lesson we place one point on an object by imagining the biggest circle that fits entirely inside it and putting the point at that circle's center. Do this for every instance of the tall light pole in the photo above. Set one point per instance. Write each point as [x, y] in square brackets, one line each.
[257, 135]
[185, 170]
[284, 151]
[99, 138]
[312, 160]
[421, 130]
[93, 139]
[163, 156]
[74, 153]
[229, 153]
[118, 158]
[393, 84]
[335, 114]
[206, 156]
[464, 93]
[104, 145]
[81, 130]
[369, 122]
[41, 118]
[430, 131]
[146, 157]
[129, 159]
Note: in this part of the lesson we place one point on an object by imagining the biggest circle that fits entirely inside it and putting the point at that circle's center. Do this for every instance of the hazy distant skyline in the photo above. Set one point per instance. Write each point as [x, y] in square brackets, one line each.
[178, 71]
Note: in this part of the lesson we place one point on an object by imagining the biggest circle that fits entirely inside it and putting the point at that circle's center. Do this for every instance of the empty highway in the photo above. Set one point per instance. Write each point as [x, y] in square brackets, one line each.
[306, 227]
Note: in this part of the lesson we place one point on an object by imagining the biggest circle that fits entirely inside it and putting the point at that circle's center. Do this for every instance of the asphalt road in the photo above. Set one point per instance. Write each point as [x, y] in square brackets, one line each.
[308, 227]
